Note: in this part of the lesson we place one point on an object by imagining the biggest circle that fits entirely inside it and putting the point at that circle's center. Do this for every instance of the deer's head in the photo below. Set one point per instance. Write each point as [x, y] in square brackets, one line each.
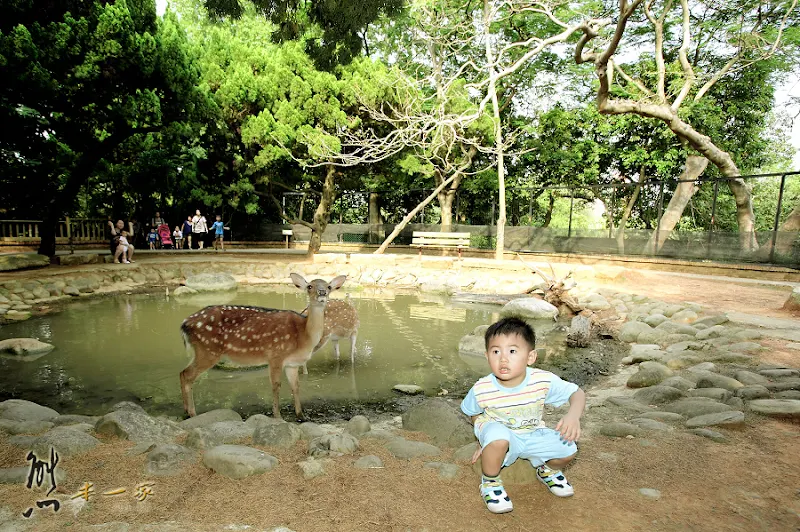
[318, 289]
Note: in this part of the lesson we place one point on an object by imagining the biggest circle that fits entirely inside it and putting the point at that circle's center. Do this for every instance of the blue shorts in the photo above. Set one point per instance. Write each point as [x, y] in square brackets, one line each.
[538, 446]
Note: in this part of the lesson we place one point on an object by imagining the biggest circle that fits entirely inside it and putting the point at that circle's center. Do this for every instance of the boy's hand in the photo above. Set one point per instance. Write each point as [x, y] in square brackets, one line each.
[477, 454]
[569, 427]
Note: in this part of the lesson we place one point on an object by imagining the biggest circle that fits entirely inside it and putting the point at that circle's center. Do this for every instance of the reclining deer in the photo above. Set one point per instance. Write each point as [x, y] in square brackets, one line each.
[253, 336]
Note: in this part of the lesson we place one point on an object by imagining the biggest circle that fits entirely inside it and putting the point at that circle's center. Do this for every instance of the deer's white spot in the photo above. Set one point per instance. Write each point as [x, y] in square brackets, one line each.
[199, 324]
[226, 336]
[212, 318]
[275, 339]
[209, 328]
[287, 336]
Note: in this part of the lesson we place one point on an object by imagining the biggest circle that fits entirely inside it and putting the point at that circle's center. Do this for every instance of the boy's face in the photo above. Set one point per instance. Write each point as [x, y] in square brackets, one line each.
[219, 217]
[509, 356]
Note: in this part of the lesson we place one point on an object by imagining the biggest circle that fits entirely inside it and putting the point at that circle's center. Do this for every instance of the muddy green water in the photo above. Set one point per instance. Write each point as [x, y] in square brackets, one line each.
[129, 348]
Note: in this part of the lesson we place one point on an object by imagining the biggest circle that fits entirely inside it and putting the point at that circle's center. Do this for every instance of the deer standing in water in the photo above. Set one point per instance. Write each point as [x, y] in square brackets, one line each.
[252, 336]
[341, 321]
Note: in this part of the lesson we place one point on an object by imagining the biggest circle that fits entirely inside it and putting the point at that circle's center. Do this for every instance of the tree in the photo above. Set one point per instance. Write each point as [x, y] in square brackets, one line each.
[713, 43]
[80, 79]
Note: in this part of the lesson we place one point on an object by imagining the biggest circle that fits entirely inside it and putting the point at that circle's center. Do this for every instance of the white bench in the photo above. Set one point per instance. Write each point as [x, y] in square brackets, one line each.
[425, 239]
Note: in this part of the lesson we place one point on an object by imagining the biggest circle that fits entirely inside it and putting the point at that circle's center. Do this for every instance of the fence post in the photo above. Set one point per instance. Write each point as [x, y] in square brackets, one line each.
[69, 237]
[777, 219]
[660, 213]
[571, 203]
[713, 218]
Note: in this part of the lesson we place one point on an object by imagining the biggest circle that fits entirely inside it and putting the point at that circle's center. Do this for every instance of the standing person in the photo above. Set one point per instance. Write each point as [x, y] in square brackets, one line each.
[199, 228]
[219, 232]
[187, 232]
[115, 232]
[155, 222]
[177, 234]
[506, 408]
[152, 238]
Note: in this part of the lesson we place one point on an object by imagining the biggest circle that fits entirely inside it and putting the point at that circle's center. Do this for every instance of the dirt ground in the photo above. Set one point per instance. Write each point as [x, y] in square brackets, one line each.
[750, 483]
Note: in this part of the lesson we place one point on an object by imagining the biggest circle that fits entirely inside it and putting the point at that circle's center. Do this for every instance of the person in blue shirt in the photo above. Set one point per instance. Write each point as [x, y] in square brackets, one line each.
[219, 231]
[506, 409]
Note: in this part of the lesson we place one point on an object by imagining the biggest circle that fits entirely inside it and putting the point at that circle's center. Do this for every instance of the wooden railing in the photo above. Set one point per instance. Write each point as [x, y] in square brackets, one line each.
[77, 230]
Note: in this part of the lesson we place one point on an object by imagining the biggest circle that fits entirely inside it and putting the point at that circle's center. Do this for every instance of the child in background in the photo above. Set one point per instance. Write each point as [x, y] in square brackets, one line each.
[152, 238]
[122, 248]
[506, 408]
[177, 234]
[187, 232]
[219, 231]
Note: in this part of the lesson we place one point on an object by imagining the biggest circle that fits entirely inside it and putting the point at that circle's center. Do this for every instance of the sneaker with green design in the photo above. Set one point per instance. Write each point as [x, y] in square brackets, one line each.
[555, 481]
[495, 497]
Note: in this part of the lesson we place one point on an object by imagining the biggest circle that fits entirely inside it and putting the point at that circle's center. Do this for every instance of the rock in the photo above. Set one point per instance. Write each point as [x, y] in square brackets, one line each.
[238, 461]
[211, 282]
[406, 450]
[22, 261]
[465, 452]
[721, 418]
[676, 338]
[16, 315]
[529, 308]
[219, 433]
[208, 418]
[731, 358]
[736, 403]
[129, 405]
[710, 434]
[65, 440]
[311, 430]
[649, 374]
[684, 316]
[686, 345]
[629, 404]
[446, 471]
[283, 435]
[717, 394]
[441, 420]
[667, 417]
[782, 386]
[653, 395]
[650, 493]
[25, 346]
[260, 420]
[745, 347]
[380, 434]
[703, 368]
[358, 425]
[693, 407]
[24, 427]
[184, 291]
[788, 394]
[777, 373]
[714, 380]
[311, 468]
[711, 321]
[650, 424]
[141, 448]
[19, 475]
[21, 410]
[655, 320]
[472, 345]
[748, 377]
[748, 334]
[651, 336]
[168, 459]
[645, 352]
[752, 391]
[681, 361]
[369, 462]
[712, 332]
[408, 389]
[678, 382]
[333, 444]
[631, 331]
[74, 419]
[138, 427]
[620, 430]
[789, 408]
[792, 303]
[24, 441]
[671, 327]
[70, 290]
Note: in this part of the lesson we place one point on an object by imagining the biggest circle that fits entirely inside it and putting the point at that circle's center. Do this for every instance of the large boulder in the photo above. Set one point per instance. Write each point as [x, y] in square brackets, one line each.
[138, 427]
[21, 261]
[238, 461]
[441, 420]
[789, 408]
[793, 302]
[209, 418]
[653, 395]
[211, 282]
[282, 435]
[696, 406]
[649, 374]
[168, 459]
[219, 433]
[406, 450]
[67, 441]
[529, 308]
[333, 445]
[21, 410]
[631, 331]
[23, 347]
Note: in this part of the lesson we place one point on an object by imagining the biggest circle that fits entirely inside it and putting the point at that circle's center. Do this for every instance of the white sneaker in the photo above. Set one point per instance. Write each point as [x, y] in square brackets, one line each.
[555, 481]
[495, 497]
[126, 262]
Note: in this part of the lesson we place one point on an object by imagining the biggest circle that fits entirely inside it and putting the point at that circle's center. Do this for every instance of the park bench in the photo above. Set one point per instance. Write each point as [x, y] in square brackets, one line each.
[424, 239]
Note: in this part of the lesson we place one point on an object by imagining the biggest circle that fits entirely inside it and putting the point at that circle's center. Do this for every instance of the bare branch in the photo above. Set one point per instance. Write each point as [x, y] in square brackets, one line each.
[688, 71]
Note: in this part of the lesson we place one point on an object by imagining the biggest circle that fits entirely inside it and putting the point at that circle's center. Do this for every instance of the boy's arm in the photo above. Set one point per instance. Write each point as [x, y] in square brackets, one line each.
[570, 424]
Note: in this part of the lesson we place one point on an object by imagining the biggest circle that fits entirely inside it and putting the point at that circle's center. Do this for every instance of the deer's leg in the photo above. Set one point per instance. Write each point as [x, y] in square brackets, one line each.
[305, 369]
[202, 362]
[353, 349]
[335, 347]
[275, 379]
[294, 384]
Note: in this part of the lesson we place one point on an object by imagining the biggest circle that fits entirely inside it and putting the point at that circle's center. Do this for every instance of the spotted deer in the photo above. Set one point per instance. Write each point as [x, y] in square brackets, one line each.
[254, 336]
[341, 321]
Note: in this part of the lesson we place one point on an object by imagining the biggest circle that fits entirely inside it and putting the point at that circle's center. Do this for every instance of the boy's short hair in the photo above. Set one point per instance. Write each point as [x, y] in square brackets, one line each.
[509, 326]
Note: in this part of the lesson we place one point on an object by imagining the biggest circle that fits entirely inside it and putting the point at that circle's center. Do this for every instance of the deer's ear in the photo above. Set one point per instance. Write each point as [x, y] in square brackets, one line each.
[337, 282]
[298, 281]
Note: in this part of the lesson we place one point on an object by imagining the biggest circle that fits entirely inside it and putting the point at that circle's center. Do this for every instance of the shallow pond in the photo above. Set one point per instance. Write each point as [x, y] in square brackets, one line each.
[129, 347]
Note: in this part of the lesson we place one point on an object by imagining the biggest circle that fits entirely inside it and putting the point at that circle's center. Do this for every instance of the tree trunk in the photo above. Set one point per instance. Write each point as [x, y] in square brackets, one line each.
[446, 200]
[787, 234]
[375, 218]
[548, 215]
[626, 214]
[323, 213]
[456, 175]
[498, 134]
[695, 166]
